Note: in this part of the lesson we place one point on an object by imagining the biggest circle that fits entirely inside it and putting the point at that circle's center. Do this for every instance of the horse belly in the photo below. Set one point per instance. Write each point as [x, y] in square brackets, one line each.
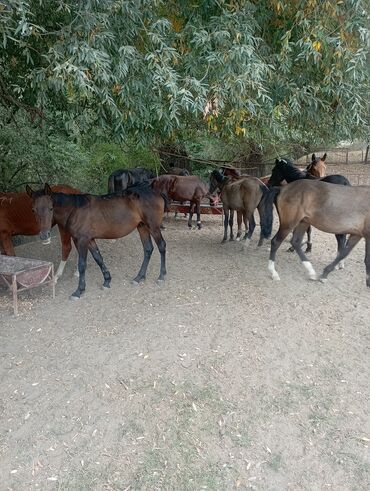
[338, 223]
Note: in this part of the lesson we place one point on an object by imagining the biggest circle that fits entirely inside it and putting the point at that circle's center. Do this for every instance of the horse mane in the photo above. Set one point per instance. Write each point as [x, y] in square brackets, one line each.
[63, 199]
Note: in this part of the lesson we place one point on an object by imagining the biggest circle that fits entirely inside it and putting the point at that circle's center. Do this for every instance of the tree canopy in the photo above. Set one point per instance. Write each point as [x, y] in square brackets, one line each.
[260, 70]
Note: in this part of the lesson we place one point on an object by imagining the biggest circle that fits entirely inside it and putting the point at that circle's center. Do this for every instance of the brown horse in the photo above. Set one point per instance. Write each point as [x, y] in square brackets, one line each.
[233, 174]
[16, 218]
[317, 167]
[183, 188]
[244, 195]
[332, 208]
[88, 217]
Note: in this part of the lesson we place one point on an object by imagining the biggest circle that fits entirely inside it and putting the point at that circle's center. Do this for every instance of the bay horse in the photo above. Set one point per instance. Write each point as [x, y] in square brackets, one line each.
[317, 167]
[87, 217]
[183, 188]
[331, 208]
[122, 179]
[243, 195]
[234, 174]
[16, 218]
[285, 170]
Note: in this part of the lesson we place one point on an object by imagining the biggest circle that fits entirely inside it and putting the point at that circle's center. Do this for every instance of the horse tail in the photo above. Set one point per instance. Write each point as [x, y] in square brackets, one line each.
[111, 184]
[166, 202]
[266, 208]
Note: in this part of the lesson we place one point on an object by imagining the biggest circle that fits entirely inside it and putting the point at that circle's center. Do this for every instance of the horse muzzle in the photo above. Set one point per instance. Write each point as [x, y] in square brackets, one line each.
[45, 236]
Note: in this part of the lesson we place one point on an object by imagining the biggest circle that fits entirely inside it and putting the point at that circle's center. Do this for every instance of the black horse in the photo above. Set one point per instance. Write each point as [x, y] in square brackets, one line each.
[285, 170]
[121, 179]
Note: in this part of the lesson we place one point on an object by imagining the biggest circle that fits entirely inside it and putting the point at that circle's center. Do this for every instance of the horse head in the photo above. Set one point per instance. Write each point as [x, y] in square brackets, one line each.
[42, 208]
[317, 167]
[216, 180]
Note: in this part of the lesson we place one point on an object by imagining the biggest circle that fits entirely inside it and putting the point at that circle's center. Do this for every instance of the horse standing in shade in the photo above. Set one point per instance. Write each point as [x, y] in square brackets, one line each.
[183, 188]
[16, 218]
[234, 174]
[122, 179]
[317, 167]
[88, 217]
[285, 170]
[331, 208]
[243, 195]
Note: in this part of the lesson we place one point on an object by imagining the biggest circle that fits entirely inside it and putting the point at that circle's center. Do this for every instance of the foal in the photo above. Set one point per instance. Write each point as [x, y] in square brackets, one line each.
[88, 217]
[244, 195]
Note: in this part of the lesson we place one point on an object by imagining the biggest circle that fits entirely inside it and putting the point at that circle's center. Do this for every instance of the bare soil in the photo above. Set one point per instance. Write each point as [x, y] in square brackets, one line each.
[219, 379]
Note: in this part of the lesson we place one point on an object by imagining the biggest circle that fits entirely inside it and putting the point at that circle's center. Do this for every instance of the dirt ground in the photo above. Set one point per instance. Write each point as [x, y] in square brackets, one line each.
[219, 379]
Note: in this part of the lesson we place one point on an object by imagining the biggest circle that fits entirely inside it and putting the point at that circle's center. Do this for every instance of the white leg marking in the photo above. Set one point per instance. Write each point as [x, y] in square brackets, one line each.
[340, 265]
[272, 270]
[77, 273]
[309, 268]
[60, 270]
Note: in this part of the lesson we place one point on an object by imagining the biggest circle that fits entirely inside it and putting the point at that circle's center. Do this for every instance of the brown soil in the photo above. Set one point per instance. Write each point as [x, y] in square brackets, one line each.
[219, 379]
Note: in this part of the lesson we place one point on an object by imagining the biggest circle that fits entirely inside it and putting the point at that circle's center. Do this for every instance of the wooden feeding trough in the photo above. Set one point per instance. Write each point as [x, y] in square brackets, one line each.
[204, 208]
[20, 274]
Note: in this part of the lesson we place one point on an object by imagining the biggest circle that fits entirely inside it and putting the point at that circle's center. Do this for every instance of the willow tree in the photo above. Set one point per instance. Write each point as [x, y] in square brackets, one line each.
[263, 70]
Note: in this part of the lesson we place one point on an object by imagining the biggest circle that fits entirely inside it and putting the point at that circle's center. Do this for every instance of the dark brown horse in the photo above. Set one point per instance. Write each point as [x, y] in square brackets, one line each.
[331, 208]
[183, 188]
[88, 217]
[16, 218]
[122, 179]
[244, 195]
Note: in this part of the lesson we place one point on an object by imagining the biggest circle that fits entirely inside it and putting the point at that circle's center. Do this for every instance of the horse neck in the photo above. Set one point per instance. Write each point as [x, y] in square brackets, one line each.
[293, 174]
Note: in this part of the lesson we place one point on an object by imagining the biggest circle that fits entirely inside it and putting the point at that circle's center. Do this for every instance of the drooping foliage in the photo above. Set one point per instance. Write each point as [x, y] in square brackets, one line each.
[263, 70]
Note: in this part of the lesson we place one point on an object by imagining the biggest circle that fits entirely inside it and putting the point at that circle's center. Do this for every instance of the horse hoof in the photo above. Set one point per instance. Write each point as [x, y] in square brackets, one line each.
[323, 280]
[160, 281]
[291, 249]
[74, 297]
[105, 287]
[238, 239]
[231, 239]
[275, 277]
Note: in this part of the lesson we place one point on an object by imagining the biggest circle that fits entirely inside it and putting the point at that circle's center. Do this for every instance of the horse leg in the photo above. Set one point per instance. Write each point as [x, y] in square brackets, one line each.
[309, 241]
[6, 243]
[345, 250]
[148, 249]
[275, 244]
[367, 260]
[296, 242]
[231, 223]
[81, 246]
[197, 207]
[191, 211]
[341, 241]
[239, 217]
[93, 248]
[252, 226]
[226, 223]
[65, 240]
[161, 244]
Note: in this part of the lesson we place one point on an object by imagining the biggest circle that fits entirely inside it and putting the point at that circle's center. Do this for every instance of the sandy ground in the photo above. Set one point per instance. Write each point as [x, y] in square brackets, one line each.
[220, 379]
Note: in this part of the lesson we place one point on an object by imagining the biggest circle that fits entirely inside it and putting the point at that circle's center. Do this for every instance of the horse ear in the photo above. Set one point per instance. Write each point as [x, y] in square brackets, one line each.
[324, 156]
[276, 161]
[47, 189]
[29, 191]
[313, 157]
